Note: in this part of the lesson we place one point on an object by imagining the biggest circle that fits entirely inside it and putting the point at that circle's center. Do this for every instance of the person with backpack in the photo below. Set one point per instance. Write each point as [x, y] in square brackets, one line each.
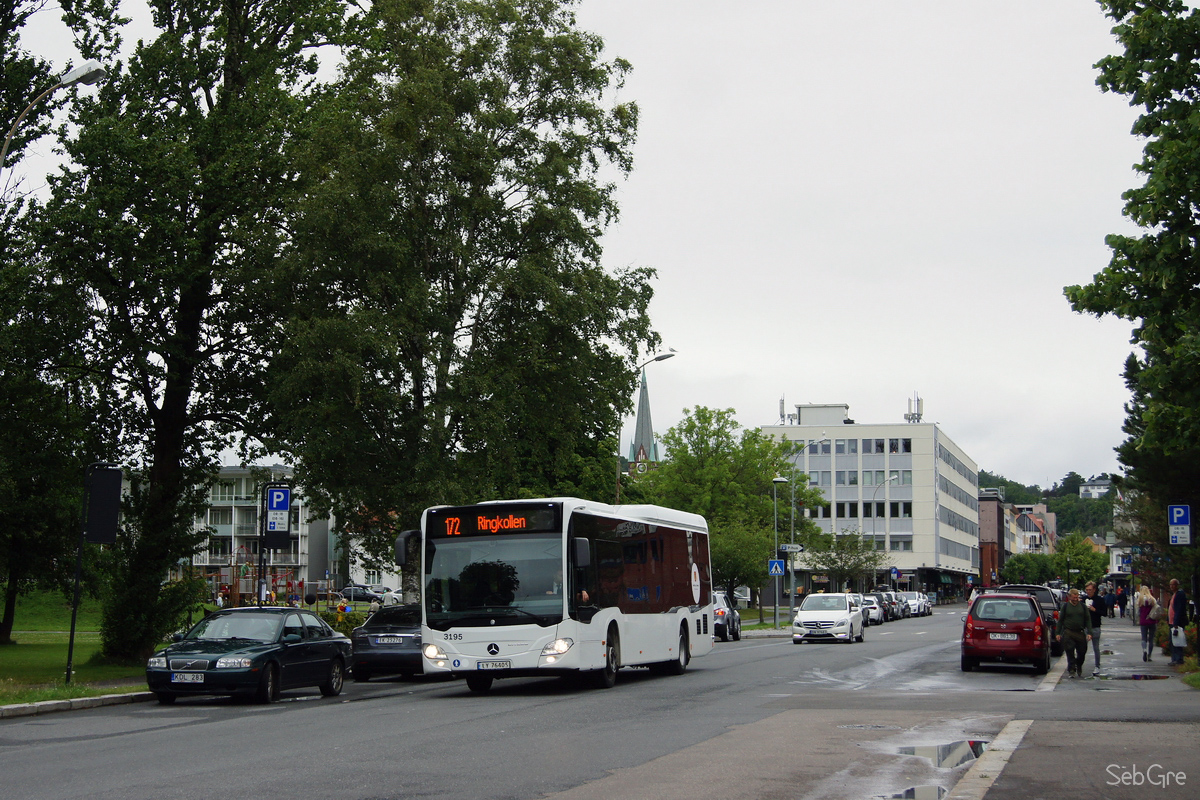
[1146, 607]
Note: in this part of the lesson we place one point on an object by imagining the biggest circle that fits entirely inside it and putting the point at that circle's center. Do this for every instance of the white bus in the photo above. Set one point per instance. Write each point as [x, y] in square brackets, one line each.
[562, 586]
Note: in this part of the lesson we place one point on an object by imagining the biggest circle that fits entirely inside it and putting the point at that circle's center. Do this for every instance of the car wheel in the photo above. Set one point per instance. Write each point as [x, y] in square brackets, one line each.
[268, 684]
[332, 686]
[862, 634]
[361, 675]
[606, 678]
[737, 632]
[968, 664]
[479, 683]
[725, 633]
[1042, 666]
[165, 698]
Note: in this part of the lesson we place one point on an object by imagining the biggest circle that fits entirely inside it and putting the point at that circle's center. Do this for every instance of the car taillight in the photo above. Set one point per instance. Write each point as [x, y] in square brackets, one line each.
[970, 629]
[720, 612]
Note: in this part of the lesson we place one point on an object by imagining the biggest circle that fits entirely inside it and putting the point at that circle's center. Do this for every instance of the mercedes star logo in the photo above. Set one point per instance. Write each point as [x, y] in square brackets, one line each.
[493, 649]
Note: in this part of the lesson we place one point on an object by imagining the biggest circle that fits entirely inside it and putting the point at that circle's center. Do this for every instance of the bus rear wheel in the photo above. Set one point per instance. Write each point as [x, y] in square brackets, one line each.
[479, 683]
[679, 664]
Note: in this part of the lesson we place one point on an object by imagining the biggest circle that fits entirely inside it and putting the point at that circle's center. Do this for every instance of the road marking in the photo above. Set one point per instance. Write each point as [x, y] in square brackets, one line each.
[1052, 678]
[885, 633]
[920, 633]
[987, 768]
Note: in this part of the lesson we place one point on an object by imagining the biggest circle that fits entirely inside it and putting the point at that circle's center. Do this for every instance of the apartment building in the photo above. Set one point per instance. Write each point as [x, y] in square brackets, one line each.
[906, 486]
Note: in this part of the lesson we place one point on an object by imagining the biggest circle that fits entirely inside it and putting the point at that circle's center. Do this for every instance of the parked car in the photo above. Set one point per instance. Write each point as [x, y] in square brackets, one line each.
[360, 594]
[873, 609]
[828, 617]
[1006, 627]
[885, 606]
[379, 589]
[918, 604]
[388, 642]
[251, 651]
[1049, 603]
[727, 622]
[899, 609]
[857, 599]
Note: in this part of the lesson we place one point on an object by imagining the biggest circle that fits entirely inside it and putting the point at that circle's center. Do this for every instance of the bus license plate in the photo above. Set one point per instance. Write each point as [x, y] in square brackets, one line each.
[1007, 637]
[187, 677]
[494, 665]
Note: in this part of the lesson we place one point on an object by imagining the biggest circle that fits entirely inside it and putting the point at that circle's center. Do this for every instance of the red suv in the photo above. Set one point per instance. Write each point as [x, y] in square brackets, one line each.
[1006, 627]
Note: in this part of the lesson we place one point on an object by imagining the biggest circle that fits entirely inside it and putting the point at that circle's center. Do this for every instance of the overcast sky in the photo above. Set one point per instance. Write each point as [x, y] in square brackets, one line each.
[853, 202]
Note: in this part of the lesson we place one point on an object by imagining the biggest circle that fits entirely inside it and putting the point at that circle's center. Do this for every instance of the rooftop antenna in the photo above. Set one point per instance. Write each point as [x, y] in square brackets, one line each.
[782, 415]
[916, 408]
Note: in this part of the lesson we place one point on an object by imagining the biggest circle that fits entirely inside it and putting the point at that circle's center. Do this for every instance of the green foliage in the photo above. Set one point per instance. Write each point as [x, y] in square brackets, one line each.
[1151, 278]
[1030, 568]
[714, 468]
[1013, 492]
[848, 557]
[1073, 552]
[343, 622]
[1089, 516]
[453, 335]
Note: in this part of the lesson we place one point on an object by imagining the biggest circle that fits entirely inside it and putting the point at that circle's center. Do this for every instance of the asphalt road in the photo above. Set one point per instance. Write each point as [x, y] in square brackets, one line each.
[760, 718]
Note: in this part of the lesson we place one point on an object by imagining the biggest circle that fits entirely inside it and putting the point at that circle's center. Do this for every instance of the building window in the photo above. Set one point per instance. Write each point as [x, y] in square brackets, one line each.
[814, 478]
[906, 477]
[906, 445]
[223, 490]
[371, 577]
[852, 446]
[839, 446]
[852, 477]
[904, 545]
[839, 478]
[880, 543]
[847, 510]
[893, 445]
[868, 478]
[220, 516]
[825, 477]
[901, 509]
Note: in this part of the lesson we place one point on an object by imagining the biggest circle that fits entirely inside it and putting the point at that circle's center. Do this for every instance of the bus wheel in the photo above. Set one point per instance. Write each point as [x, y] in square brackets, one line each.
[479, 683]
[680, 664]
[606, 678]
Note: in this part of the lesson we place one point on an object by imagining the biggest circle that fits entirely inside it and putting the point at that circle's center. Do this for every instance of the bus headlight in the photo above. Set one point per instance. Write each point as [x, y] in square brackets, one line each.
[557, 647]
[433, 652]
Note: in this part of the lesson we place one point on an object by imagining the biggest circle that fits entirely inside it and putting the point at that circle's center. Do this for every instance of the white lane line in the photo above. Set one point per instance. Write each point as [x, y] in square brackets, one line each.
[987, 768]
[920, 633]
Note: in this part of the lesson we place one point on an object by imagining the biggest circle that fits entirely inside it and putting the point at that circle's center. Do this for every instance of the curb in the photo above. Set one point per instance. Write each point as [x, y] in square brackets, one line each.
[51, 706]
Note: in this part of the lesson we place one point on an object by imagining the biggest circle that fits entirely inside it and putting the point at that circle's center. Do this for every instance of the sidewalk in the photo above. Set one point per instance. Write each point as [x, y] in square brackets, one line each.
[1131, 759]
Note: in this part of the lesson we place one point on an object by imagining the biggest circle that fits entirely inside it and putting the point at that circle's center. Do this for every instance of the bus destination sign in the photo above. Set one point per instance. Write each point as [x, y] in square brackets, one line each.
[488, 520]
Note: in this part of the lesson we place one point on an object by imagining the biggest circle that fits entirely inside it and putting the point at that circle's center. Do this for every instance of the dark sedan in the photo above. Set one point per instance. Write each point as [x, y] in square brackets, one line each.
[252, 652]
[388, 642]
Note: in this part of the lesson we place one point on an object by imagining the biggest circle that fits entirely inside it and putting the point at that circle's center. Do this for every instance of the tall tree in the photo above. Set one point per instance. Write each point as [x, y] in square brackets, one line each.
[454, 336]
[1151, 278]
[169, 220]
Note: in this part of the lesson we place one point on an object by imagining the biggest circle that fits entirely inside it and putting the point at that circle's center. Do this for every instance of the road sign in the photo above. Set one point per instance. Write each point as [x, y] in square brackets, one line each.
[774, 566]
[1179, 522]
[792, 548]
[279, 506]
[895, 573]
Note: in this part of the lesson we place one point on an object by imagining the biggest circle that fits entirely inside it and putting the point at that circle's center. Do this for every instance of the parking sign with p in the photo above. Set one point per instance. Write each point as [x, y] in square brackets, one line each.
[1179, 524]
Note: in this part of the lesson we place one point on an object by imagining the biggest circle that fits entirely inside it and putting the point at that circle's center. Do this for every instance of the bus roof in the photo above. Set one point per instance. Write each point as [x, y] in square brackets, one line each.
[657, 515]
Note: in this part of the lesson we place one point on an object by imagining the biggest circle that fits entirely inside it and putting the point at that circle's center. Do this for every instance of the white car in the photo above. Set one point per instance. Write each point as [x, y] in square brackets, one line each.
[918, 604]
[873, 609]
[828, 617]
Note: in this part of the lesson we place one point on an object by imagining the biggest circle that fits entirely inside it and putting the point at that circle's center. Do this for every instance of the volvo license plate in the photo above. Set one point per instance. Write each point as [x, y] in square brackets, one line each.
[187, 677]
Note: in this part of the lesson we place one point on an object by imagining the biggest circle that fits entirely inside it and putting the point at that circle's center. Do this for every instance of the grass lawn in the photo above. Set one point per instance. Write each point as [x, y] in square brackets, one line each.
[34, 668]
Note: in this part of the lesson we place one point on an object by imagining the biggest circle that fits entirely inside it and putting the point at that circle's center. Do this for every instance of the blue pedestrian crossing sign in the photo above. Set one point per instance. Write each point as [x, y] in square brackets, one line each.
[774, 566]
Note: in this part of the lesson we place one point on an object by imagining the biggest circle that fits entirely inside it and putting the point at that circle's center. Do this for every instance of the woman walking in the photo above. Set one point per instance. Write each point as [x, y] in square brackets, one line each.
[1144, 607]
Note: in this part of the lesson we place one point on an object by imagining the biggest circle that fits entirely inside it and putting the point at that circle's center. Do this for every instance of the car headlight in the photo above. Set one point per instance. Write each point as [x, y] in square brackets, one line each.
[157, 662]
[432, 651]
[842, 623]
[557, 647]
[233, 662]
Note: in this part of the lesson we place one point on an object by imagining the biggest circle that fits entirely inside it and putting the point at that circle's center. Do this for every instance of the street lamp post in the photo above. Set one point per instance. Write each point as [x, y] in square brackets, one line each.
[642, 366]
[88, 72]
[874, 496]
[778, 479]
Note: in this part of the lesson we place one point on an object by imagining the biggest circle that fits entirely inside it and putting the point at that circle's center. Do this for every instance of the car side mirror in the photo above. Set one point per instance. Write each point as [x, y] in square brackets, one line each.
[178, 637]
[292, 638]
[964, 618]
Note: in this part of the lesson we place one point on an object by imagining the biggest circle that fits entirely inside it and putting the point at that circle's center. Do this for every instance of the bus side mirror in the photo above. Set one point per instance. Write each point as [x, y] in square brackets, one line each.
[402, 547]
[583, 553]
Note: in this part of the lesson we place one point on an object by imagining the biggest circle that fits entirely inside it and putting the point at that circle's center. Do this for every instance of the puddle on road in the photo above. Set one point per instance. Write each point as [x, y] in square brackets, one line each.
[1137, 677]
[872, 727]
[919, 793]
[948, 756]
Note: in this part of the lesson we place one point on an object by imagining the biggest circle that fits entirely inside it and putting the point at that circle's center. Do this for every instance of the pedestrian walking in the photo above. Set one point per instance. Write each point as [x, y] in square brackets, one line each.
[1097, 609]
[1122, 600]
[1110, 603]
[1144, 608]
[1177, 618]
[1074, 631]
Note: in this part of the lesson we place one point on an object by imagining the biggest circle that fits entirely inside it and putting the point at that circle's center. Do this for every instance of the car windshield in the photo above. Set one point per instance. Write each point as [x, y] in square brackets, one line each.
[911, 595]
[824, 602]
[509, 579]
[1003, 609]
[252, 626]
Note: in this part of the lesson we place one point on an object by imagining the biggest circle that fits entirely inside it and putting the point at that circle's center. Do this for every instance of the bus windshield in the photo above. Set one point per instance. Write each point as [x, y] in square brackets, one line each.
[507, 579]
